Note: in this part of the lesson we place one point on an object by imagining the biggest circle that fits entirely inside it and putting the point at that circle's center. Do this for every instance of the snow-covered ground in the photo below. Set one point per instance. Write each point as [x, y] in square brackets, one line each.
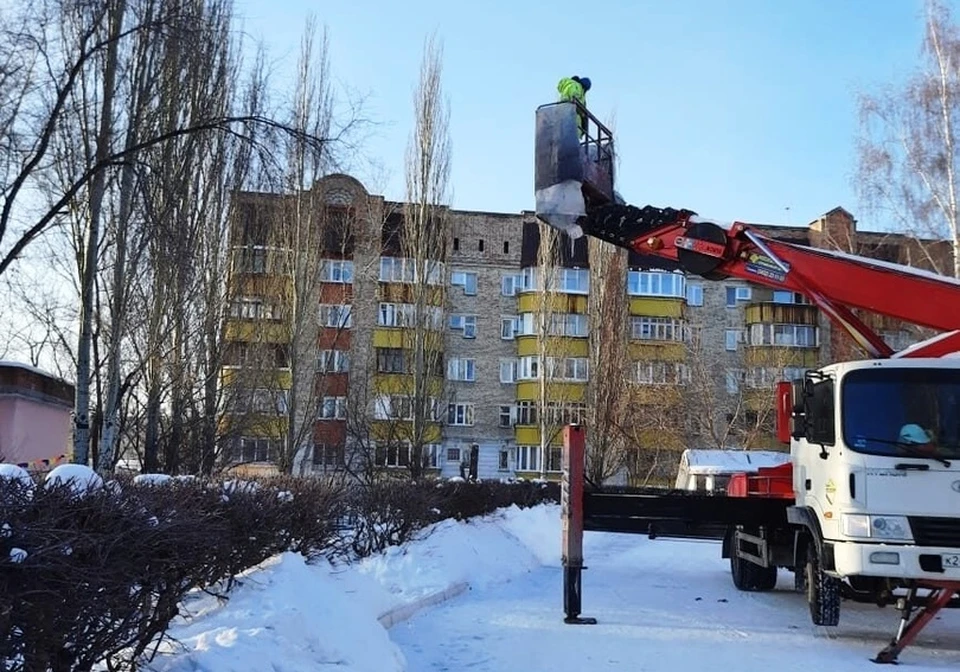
[661, 605]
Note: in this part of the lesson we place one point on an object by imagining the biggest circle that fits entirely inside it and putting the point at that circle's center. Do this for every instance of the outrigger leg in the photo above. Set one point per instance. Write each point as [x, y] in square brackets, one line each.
[908, 631]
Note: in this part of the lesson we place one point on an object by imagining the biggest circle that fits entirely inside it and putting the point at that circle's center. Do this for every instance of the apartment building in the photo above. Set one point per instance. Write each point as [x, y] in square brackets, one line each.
[503, 343]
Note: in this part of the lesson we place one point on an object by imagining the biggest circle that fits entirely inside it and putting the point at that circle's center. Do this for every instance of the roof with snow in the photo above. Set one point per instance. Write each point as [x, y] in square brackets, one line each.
[726, 461]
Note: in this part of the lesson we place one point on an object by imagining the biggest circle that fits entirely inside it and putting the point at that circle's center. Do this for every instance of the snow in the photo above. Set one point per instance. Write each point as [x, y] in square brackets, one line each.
[9, 364]
[79, 477]
[715, 461]
[661, 605]
[152, 479]
[17, 473]
[17, 555]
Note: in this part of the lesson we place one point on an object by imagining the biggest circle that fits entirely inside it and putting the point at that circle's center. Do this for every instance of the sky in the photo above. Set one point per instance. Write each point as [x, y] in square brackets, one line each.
[737, 109]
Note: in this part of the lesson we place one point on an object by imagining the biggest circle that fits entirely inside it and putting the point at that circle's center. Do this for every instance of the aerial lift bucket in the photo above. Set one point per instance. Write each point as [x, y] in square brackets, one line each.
[571, 174]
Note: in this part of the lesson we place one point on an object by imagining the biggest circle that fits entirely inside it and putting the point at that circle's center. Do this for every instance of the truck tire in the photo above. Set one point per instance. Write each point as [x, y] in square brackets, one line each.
[823, 591]
[748, 576]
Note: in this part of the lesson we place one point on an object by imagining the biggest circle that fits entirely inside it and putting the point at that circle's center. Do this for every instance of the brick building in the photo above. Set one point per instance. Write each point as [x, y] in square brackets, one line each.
[511, 342]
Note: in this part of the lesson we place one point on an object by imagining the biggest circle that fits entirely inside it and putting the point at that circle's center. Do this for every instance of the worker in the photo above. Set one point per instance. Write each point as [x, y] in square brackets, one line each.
[575, 88]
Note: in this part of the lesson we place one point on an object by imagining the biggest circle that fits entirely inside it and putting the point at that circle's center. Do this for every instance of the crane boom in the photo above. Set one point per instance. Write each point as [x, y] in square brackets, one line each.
[834, 281]
[574, 183]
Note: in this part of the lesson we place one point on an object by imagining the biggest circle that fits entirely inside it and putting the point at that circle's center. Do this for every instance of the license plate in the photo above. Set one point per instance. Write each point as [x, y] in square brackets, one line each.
[951, 561]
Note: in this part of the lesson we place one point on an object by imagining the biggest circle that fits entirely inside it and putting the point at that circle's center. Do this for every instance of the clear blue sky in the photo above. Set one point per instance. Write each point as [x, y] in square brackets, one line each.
[738, 109]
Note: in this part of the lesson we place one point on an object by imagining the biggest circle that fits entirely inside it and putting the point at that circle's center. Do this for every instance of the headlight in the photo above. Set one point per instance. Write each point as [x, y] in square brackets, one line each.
[876, 527]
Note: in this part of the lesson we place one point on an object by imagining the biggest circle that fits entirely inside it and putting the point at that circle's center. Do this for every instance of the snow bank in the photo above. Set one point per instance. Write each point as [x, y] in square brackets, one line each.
[17, 473]
[80, 478]
[287, 616]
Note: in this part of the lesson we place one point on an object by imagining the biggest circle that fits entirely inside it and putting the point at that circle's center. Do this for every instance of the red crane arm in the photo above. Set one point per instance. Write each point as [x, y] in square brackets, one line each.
[835, 282]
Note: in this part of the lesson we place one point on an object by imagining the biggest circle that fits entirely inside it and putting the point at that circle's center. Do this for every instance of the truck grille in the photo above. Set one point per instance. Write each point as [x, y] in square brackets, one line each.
[929, 531]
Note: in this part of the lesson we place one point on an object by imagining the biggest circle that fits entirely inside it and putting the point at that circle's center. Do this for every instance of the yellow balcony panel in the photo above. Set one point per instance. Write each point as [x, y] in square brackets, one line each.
[656, 396]
[780, 356]
[250, 424]
[660, 351]
[780, 313]
[274, 379]
[402, 430]
[257, 331]
[399, 292]
[384, 337]
[651, 306]
[534, 302]
[662, 439]
[529, 390]
[555, 346]
[527, 435]
[403, 384]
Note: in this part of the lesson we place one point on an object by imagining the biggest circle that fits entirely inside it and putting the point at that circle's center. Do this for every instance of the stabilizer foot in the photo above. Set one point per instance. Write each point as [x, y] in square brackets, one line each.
[580, 620]
[910, 628]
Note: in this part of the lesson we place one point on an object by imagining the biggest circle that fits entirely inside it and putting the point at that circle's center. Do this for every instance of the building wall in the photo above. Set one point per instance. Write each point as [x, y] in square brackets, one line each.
[35, 415]
[728, 322]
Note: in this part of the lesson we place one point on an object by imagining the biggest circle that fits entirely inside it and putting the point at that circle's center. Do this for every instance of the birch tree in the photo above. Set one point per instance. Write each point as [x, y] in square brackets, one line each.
[909, 156]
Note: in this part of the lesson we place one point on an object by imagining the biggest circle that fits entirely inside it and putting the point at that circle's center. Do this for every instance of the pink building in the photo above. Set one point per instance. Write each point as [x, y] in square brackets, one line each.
[35, 416]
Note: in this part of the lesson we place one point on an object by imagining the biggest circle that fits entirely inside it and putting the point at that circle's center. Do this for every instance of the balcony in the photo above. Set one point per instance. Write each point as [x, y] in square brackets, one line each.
[770, 312]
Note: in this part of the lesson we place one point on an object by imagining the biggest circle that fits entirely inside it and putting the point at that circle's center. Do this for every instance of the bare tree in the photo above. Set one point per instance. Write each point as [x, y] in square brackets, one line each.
[909, 157]
[423, 242]
[607, 398]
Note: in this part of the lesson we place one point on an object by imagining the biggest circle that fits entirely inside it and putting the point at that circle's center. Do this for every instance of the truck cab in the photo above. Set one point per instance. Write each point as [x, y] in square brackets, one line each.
[875, 447]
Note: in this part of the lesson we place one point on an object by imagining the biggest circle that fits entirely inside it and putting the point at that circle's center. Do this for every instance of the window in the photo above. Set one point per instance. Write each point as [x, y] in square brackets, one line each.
[565, 413]
[466, 280]
[731, 338]
[253, 308]
[336, 316]
[333, 408]
[456, 244]
[656, 329]
[567, 368]
[511, 284]
[526, 413]
[398, 269]
[463, 369]
[465, 323]
[736, 294]
[661, 373]
[503, 460]
[333, 361]
[396, 407]
[259, 401]
[404, 315]
[528, 368]
[391, 360]
[508, 327]
[655, 283]
[734, 378]
[785, 335]
[528, 458]
[528, 279]
[393, 455]
[253, 449]
[431, 456]
[453, 454]
[506, 247]
[328, 456]
[506, 416]
[508, 370]
[782, 296]
[336, 270]
[568, 324]
[694, 295]
[573, 280]
[460, 415]
[480, 245]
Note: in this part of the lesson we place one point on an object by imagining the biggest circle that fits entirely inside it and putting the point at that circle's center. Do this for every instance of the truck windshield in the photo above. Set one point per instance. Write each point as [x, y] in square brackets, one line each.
[883, 408]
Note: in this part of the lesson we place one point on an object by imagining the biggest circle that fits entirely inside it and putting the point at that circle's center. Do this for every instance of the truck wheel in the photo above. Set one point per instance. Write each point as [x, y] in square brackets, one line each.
[823, 591]
[750, 577]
